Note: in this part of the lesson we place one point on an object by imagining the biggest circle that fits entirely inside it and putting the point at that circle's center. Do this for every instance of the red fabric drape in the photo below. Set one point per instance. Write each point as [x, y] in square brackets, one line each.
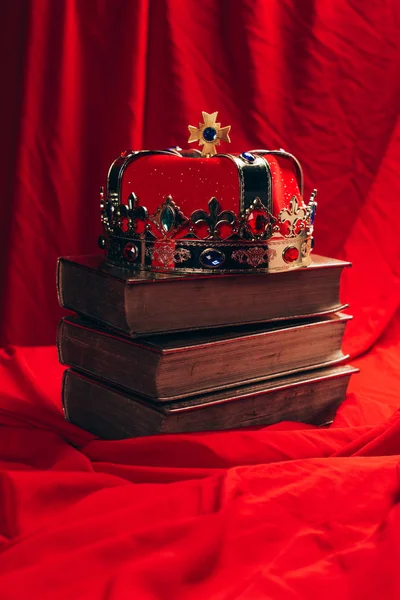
[282, 512]
[86, 80]
[290, 511]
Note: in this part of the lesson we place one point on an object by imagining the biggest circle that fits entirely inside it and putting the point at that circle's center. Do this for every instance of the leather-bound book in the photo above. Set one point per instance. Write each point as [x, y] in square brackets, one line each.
[111, 413]
[140, 303]
[171, 366]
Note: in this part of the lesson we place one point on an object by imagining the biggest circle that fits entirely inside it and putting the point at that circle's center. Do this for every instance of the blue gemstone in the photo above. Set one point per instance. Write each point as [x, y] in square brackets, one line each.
[313, 211]
[209, 134]
[248, 157]
[212, 258]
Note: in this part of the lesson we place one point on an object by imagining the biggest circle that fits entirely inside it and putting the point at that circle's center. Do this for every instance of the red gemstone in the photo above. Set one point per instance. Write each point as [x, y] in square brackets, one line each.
[124, 224]
[257, 221]
[290, 254]
[130, 251]
[126, 153]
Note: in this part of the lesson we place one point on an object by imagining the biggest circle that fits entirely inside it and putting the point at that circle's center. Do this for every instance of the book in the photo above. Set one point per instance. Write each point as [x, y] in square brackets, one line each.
[110, 413]
[171, 366]
[143, 303]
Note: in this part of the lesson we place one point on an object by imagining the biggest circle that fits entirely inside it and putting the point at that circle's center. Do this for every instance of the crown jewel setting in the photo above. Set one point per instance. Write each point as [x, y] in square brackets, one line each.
[260, 229]
[209, 134]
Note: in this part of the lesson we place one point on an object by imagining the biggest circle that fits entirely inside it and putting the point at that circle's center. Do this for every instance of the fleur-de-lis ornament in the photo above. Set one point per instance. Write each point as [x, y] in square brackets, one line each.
[209, 134]
[127, 214]
[135, 211]
[295, 216]
[213, 218]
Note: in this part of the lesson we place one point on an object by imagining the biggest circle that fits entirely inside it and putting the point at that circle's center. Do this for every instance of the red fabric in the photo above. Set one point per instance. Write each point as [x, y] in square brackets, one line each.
[153, 178]
[289, 511]
[192, 182]
[86, 80]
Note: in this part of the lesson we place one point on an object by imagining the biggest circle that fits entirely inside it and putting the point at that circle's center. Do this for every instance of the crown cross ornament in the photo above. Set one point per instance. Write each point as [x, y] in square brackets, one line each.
[209, 134]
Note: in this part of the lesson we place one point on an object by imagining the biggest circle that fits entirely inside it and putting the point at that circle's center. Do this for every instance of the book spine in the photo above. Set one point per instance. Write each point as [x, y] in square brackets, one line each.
[105, 412]
[64, 394]
[92, 293]
[59, 343]
[111, 414]
[108, 357]
[59, 279]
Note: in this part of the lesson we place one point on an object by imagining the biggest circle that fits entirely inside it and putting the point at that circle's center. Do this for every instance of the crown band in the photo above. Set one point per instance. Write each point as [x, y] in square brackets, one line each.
[194, 256]
[255, 241]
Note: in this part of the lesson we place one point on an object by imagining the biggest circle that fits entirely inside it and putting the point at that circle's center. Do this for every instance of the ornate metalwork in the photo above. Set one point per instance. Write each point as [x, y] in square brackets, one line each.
[187, 255]
[257, 221]
[209, 134]
[126, 215]
[135, 211]
[108, 209]
[168, 254]
[255, 257]
[214, 218]
[306, 248]
[296, 216]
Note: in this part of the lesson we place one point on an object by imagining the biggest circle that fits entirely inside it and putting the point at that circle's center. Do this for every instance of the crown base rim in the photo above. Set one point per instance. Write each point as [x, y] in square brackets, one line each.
[208, 271]
[209, 256]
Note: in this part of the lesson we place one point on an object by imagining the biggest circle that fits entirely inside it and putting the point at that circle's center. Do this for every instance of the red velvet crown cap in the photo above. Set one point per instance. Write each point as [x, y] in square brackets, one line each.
[193, 182]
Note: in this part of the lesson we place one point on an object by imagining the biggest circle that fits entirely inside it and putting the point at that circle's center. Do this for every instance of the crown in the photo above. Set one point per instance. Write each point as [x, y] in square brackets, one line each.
[191, 211]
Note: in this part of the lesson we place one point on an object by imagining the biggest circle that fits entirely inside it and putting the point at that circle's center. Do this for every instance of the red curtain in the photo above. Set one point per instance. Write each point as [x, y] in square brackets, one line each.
[84, 80]
[283, 512]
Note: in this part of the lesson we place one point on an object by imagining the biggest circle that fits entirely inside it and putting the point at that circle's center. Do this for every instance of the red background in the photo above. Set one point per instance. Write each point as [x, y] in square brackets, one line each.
[282, 512]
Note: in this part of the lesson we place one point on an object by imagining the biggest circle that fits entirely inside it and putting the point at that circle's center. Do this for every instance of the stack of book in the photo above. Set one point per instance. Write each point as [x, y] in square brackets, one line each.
[152, 353]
